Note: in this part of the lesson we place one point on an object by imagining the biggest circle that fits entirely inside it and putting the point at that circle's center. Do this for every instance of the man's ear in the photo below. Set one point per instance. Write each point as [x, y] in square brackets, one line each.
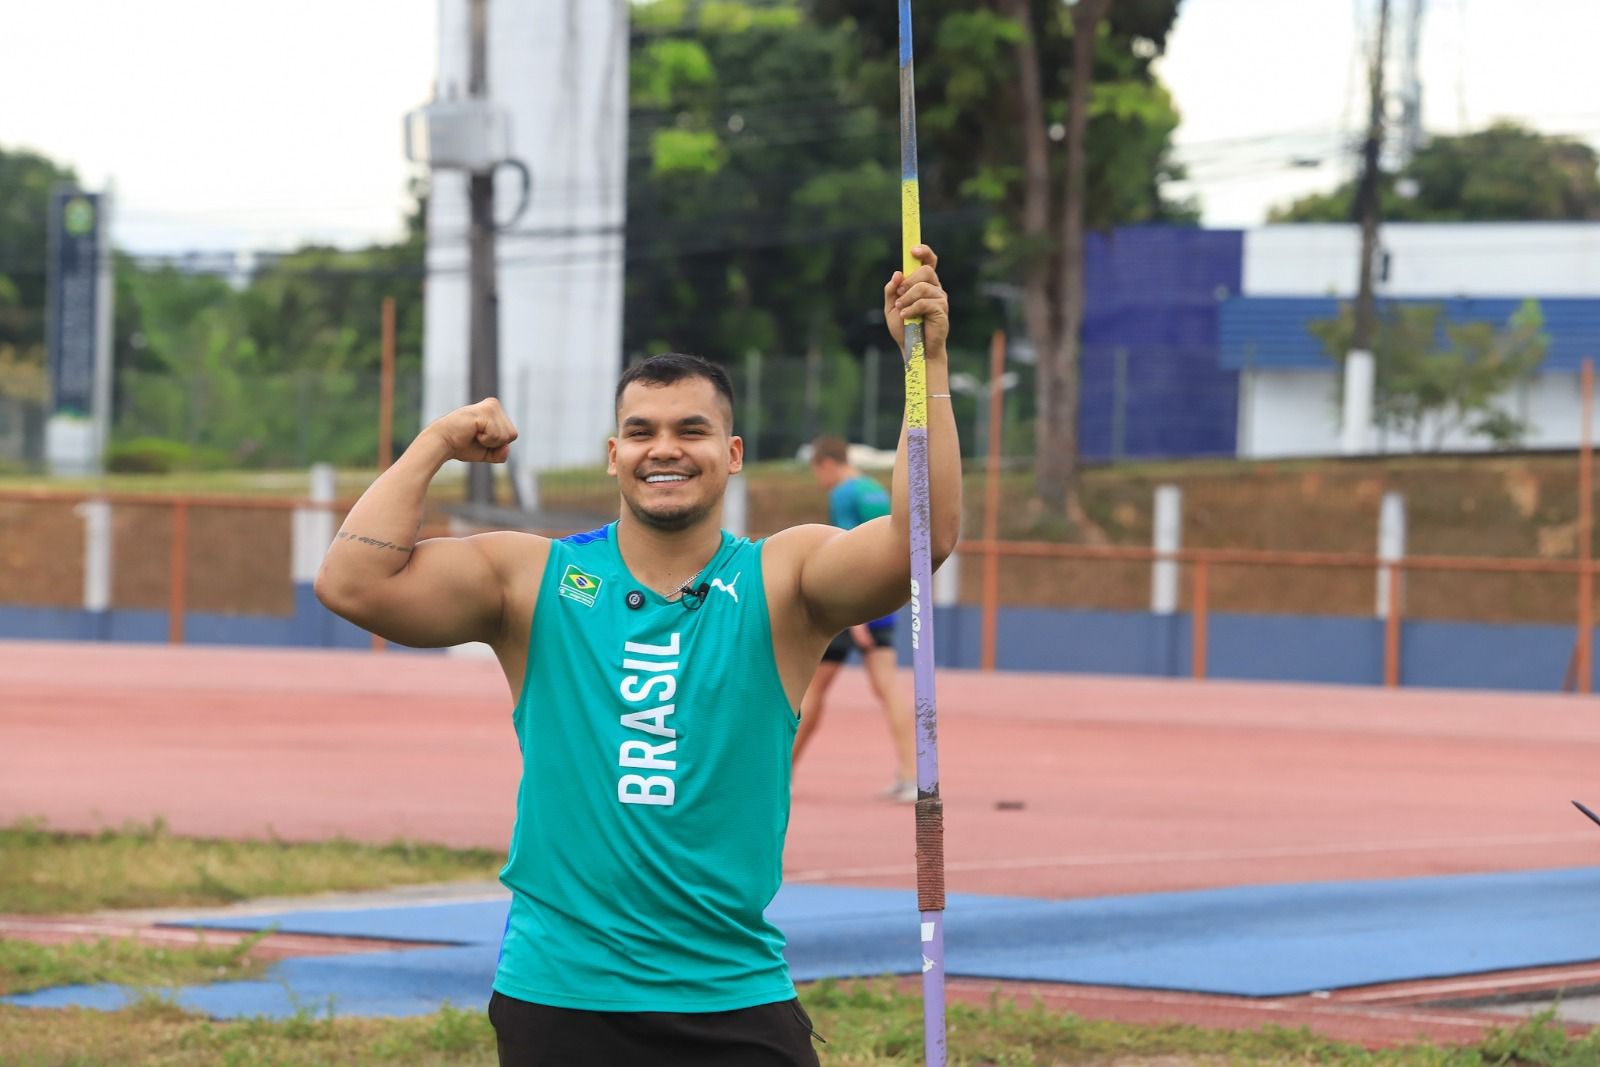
[735, 454]
[611, 456]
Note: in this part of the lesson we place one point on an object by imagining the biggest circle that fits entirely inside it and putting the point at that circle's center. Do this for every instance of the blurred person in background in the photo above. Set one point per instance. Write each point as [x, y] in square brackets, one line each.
[854, 498]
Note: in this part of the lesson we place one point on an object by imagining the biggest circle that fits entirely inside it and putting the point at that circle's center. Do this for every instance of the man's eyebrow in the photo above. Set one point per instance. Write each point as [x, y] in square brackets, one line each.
[687, 420]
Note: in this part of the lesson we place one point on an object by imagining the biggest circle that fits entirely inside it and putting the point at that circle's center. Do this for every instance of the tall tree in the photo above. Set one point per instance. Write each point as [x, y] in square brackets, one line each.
[1505, 172]
[763, 205]
[1437, 378]
[1050, 114]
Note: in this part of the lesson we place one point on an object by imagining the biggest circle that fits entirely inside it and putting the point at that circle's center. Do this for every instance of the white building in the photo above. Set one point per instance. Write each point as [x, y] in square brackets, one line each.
[1294, 274]
[559, 71]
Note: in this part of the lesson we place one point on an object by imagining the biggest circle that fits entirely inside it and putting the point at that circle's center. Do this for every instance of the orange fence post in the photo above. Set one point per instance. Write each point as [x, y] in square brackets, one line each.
[991, 506]
[1584, 650]
[1391, 628]
[178, 572]
[1197, 625]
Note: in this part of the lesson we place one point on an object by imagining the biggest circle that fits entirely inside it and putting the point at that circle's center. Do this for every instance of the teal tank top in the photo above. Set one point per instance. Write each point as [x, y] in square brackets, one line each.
[655, 791]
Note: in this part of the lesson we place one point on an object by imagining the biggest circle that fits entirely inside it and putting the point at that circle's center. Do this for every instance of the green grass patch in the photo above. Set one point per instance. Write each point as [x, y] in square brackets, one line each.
[866, 1024]
[144, 866]
[25, 966]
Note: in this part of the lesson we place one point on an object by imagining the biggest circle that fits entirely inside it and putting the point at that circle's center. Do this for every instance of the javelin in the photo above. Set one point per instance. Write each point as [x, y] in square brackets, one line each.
[1586, 811]
[930, 809]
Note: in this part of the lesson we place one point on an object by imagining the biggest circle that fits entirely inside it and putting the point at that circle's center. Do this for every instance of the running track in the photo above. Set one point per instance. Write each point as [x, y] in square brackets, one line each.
[1128, 785]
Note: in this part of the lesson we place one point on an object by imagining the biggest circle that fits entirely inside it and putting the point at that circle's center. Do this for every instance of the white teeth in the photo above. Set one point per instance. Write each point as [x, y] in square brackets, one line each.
[667, 478]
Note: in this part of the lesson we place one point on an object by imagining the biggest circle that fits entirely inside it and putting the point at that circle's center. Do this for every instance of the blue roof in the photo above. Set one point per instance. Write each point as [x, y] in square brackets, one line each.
[1274, 331]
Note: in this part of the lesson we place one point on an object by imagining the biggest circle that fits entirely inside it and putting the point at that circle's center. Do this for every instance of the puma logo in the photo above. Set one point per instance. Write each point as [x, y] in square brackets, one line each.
[716, 583]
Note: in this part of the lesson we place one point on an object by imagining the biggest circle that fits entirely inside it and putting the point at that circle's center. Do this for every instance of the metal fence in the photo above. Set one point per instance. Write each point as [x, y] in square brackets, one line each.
[192, 558]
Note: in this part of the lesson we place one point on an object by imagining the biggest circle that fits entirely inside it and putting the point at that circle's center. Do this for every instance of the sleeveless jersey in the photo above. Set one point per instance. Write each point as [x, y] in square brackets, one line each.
[655, 791]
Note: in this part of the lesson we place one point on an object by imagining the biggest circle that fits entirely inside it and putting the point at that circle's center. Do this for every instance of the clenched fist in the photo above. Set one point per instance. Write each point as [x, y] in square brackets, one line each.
[477, 433]
[919, 296]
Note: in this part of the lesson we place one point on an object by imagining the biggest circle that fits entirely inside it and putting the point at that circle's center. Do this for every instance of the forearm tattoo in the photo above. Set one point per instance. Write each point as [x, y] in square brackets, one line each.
[373, 541]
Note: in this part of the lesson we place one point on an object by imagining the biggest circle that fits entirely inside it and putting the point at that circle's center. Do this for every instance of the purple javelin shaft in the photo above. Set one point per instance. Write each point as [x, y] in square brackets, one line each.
[930, 809]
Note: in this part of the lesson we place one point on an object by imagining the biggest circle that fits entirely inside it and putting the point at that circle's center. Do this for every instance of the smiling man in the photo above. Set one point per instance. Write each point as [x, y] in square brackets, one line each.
[656, 664]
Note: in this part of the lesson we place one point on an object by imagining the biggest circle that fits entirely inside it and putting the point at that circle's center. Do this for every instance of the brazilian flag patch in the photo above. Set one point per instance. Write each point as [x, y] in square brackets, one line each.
[576, 585]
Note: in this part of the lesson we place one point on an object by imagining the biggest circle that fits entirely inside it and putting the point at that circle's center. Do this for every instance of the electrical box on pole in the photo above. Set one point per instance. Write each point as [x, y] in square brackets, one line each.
[470, 135]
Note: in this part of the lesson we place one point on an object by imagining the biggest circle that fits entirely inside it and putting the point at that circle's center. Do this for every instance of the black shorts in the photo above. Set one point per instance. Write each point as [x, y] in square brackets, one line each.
[840, 647]
[536, 1035]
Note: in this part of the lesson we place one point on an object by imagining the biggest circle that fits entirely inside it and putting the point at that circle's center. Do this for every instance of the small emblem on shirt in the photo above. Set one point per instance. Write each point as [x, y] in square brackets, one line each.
[716, 583]
[576, 585]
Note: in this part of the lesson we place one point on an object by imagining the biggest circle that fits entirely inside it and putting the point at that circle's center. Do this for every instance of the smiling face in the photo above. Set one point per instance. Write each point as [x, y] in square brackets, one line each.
[673, 452]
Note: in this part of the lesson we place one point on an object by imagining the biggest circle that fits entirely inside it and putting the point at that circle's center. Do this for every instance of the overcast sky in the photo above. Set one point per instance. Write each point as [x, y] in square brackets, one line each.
[257, 124]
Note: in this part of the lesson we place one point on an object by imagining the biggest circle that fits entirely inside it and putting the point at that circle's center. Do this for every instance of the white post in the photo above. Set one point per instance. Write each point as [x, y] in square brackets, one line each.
[1391, 544]
[947, 583]
[736, 507]
[1355, 436]
[96, 515]
[527, 486]
[313, 527]
[1168, 538]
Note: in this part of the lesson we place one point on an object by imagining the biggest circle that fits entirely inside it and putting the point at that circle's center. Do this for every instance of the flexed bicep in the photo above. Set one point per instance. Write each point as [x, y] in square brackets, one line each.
[848, 577]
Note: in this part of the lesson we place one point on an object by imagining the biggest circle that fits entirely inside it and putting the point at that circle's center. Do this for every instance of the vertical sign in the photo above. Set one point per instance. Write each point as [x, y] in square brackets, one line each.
[74, 295]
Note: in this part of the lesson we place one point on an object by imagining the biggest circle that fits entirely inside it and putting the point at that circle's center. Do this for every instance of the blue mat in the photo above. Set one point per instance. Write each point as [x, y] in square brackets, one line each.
[1249, 941]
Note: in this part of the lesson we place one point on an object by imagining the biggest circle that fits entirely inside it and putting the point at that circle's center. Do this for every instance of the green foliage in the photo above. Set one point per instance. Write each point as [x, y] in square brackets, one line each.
[663, 71]
[686, 152]
[158, 455]
[1503, 173]
[26, 181]
[968, 113]
[1435, 378]
[282, 372]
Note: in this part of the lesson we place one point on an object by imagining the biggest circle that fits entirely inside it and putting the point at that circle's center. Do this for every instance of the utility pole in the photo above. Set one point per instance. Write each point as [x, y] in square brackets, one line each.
[1359, 370]
[483, 302]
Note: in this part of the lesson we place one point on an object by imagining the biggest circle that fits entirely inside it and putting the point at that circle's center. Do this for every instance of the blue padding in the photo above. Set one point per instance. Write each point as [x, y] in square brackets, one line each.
[1258, 941]
[1271, 648]
[1252, 941]
[311, 625]
[1485, 656]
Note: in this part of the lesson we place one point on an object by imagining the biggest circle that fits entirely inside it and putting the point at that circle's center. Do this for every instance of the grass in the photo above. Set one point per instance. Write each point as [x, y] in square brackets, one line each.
[143, 866]
[25, 966]
[866, 1025]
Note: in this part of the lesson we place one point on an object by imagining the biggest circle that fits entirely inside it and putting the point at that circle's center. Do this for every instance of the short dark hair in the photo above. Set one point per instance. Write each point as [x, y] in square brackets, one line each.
[672, 367]
[829, 447]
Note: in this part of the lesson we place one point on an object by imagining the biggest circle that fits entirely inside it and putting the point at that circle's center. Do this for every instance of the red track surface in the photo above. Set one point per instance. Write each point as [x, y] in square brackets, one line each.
[1127, 785]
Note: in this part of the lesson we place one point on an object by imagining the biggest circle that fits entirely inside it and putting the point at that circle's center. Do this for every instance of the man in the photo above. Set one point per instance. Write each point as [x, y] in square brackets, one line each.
[853, 499]
[656, 664]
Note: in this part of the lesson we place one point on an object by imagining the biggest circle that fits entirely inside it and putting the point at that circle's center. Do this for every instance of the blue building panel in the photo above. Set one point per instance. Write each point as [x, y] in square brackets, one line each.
[1152, 295]
[1274, 333]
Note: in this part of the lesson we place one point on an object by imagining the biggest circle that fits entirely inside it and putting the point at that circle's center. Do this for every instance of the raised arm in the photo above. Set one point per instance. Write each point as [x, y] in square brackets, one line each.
[861, 574]
[443, 591]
